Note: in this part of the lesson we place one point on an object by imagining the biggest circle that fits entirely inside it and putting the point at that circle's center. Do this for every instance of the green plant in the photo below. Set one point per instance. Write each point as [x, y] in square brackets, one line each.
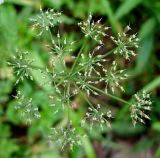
[86, 72]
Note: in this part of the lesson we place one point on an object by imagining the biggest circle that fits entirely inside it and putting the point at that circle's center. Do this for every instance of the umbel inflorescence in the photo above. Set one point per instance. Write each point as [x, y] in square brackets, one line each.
[88, 71]
[28, 110]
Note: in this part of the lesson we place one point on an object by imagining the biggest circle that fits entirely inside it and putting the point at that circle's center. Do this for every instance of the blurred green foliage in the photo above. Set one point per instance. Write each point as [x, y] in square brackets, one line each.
[18, 140]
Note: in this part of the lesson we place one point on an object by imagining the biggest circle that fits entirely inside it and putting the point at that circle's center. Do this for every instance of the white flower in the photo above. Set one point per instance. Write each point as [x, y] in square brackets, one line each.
[126, 43]
[65, 137]
[113, 77]
[93, 29]
[22, 65]
[140, 104]
[88, 70]
[60, 100]
[46, 20]
[95, 115]
[60, 48]
[28, 110]
[89, 63]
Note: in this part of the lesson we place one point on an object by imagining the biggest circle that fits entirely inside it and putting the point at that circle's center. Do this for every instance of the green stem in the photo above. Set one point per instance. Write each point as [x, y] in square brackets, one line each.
[79, 53]
[103, 56]
[108, 53]
[50, 34]
[87, 100]
[68, 89]
[109, 95]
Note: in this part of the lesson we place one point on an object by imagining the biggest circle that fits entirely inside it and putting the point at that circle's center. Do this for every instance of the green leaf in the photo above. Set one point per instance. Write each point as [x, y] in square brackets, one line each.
[24, 2]
[145, 50]
[4, 130]
[79, 9]
[142, 145]
[126, 7]
[7, 148]
[109, 12]
[127, 127]
[10, 113]
[153, 84]
[146, 36]
[157, 154]
[156, 126]
[53, 3]
[37, 74]
[88, 148]
[77, 152]
[147, 28]
[8, 29]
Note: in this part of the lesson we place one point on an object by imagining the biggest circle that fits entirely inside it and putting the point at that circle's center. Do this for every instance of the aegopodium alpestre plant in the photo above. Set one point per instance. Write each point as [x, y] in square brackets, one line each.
[87, 72]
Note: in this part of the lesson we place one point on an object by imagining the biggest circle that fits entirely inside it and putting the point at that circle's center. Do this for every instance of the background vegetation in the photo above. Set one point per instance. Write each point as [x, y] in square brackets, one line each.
[17, 140]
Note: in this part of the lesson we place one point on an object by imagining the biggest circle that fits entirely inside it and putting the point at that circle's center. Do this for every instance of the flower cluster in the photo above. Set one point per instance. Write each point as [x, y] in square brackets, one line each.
[27, 109]
[65, 137]
[88, 70]
[59, 49]
[95, 115]
[59, 100]
[113, 77]
[140, 104]
[90, 61]
[126, 43]
[21, 64]
[46, 20]
[93, 29]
